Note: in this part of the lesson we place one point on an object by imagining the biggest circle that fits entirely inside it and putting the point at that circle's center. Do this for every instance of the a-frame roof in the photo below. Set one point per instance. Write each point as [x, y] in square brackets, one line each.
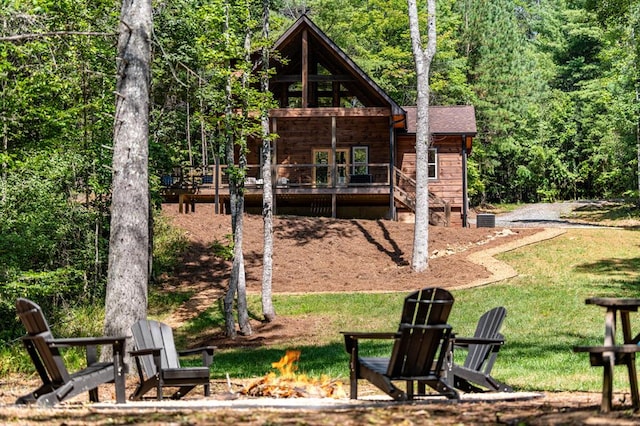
[321, 50]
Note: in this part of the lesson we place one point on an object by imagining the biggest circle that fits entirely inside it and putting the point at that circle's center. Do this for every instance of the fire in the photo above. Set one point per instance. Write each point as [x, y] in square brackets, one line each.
[291, 385]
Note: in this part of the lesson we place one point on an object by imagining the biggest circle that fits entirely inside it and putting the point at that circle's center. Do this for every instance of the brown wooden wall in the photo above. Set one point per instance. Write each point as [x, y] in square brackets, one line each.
[448, 185]
[299, 136]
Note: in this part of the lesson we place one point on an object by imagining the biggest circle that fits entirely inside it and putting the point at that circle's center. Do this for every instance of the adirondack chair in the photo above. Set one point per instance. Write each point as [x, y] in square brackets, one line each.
[420, 347]
[158, 362]
[57, 383]
[474, 375]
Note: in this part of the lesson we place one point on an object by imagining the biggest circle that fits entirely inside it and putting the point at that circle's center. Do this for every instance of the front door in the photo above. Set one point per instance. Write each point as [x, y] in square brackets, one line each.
[323, 163]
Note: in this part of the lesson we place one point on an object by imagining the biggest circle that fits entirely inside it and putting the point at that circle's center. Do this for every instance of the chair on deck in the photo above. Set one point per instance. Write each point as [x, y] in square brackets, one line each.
[474, 375]
[420, 347]
[158, 362]
[57, 383]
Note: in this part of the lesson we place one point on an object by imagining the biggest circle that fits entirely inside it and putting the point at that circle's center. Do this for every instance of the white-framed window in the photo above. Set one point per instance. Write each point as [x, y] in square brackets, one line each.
[432, 163]
[360, 160]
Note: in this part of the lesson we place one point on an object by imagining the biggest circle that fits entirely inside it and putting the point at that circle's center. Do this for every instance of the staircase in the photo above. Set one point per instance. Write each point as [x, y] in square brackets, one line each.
[404, 193]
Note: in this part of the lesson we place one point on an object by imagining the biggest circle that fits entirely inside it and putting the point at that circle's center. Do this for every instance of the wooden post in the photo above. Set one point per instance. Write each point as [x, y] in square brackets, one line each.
[305, 69]
[274, 164]
[465, 201]
[334, 171]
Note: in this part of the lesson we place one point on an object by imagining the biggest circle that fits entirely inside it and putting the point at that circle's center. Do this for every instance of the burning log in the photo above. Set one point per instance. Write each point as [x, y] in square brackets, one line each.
[291, 385]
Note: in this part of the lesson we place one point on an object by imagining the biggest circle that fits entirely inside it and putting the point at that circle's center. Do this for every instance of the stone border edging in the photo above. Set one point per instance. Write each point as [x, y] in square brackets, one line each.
[500, 270]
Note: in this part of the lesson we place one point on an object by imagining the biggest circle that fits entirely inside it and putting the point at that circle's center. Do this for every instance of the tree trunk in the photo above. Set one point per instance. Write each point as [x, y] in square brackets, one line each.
[229, 320]
[423, 59]
[128, 275]
[237, 282]
[268, 310]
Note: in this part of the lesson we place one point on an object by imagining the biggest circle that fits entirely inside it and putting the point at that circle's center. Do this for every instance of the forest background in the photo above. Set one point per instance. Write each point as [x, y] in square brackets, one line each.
[554, 83]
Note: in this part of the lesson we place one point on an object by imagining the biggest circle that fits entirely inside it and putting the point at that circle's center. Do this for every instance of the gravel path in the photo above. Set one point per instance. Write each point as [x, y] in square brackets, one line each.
[542, 215]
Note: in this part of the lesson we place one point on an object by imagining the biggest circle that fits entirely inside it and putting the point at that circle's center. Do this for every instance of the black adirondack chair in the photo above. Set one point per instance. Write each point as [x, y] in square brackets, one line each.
[158, 362]
[57, 383]
[474, 375]
[420, 347]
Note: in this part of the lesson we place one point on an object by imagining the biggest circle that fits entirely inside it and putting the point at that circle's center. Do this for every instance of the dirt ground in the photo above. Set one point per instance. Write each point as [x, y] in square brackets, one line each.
[325, 255]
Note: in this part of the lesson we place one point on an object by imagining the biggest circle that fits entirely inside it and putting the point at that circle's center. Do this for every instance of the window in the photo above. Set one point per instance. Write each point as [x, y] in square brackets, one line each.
[432, 163]
[360, 160]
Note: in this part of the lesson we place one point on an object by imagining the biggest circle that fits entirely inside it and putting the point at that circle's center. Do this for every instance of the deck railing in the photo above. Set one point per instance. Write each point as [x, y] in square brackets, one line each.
[284, 176]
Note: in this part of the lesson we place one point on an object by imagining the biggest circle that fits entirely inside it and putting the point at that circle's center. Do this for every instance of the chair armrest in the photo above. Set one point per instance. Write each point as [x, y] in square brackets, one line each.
[87, 341]
[463, 342]
[351, 338]
[196, 351]
[146, 351]
[369, 335]
[91, 347]
[206, 352]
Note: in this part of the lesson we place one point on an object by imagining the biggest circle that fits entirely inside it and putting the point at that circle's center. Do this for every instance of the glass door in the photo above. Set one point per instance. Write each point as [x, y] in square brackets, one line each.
[321, 160]
[342, 166]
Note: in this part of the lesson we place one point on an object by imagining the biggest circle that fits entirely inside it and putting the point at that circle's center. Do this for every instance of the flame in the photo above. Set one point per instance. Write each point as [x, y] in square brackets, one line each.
[286, 364]
[292, 385]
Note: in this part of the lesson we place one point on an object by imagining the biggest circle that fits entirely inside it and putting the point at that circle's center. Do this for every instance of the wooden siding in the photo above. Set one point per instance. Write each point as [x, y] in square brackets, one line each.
[297, 137]
[448, 184]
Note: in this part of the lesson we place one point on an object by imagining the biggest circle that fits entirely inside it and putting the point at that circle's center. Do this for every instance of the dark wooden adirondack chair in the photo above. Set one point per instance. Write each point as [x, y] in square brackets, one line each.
[420, 347]
[474, 375]
[158, 362]
[57, 383]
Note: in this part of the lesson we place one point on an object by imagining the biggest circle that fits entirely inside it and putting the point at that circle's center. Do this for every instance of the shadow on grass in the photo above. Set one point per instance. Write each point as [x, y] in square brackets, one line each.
[621, 274]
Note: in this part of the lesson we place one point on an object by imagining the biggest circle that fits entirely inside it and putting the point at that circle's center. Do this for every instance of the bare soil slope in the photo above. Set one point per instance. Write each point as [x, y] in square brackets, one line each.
[323, 255]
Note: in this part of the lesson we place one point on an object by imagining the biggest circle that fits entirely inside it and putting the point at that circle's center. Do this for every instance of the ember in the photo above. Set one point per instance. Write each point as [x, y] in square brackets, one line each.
[291, 385]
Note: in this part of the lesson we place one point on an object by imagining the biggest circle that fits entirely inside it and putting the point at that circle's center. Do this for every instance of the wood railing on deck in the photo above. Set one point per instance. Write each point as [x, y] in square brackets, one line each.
[284, 175]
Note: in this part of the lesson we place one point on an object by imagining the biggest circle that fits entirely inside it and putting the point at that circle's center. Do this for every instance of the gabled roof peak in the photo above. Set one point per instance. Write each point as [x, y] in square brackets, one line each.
[322, 51]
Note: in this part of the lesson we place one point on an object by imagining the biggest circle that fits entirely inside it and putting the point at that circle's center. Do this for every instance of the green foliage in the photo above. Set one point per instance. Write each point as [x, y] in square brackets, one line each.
[223, 250]
[168, 244]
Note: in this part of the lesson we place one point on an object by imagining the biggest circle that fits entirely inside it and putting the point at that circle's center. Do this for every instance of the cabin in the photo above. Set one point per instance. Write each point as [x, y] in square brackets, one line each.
[344, 149]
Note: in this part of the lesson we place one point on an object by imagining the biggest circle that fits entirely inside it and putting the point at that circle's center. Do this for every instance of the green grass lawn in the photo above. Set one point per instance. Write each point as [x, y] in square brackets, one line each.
[546, 316]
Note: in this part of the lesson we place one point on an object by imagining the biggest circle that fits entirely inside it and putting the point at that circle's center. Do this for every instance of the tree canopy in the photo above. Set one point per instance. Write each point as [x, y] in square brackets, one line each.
[554, 83]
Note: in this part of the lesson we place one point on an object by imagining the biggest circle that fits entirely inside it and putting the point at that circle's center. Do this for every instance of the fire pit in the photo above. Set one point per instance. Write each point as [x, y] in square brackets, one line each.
[288, 384]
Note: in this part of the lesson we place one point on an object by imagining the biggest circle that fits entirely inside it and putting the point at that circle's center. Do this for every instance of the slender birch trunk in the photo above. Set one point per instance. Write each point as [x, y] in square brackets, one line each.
[268, 310]
[423, 59]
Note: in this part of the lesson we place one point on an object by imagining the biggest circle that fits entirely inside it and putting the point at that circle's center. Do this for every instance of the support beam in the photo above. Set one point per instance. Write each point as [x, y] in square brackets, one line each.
[305, 69]
[334, 168]
[274, 161]
[330, 112]
[465, 201]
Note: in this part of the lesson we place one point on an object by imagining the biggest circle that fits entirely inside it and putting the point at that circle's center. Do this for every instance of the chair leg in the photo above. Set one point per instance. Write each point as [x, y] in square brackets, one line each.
[32, 397]
[182, 391]
[410, 389]
[353, 380]
[607, 385]
[93, 395]
[633, 381]
[385, 385]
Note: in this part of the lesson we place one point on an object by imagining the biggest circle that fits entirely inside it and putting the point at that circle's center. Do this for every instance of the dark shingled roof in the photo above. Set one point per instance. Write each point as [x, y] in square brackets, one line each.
[445, 120]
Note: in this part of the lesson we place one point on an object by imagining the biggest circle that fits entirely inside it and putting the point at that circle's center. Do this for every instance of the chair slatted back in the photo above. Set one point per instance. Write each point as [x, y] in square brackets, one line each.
[488, 327]
[47, 359]
[416, 350]
[149, 334]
